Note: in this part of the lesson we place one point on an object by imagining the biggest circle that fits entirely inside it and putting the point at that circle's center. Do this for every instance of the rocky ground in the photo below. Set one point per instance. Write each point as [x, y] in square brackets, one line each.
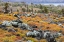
[18, 33]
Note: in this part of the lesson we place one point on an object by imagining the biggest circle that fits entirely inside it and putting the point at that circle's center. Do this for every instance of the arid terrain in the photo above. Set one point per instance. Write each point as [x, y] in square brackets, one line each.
[21, 22]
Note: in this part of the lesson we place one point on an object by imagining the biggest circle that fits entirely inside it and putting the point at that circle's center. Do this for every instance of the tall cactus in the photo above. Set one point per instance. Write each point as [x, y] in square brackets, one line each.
[6, 7]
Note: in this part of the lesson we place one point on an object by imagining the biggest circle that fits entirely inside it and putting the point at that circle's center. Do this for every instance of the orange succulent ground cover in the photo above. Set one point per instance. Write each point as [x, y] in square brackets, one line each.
[7, 17]
[38, 21]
